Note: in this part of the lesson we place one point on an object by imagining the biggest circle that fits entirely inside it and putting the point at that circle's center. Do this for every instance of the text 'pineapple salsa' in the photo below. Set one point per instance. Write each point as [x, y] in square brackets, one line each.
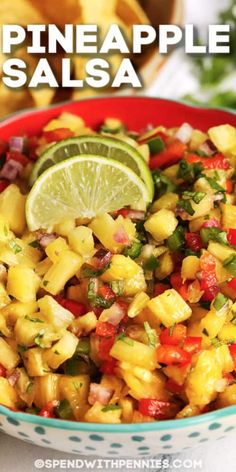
[115, 308]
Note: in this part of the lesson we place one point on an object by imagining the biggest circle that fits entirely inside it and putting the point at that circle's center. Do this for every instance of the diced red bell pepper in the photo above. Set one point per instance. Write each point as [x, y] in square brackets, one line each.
[229, 377]
[178, 284]
[208, 280]
[101, 258]
[232, 350]
[212, 223]
[32, 144]
[108, 367]
[232, 284]
[173, 355]
[105, 345]
[177, 336]
[3, 184]
[58, 134]
[169, 156]
[106, 292]
[48, 410]
[231, 236]
[193, 241]
[2, 371]
[104, 328]
[3, 147]
[192, 344]
[154, 408]
[216, 162]
[76, 308]
[173, 387]
[18, 157]
[160, 288]
[229, 186]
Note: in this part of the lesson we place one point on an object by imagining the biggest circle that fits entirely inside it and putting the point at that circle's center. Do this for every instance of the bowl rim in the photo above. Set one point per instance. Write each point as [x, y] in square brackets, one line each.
[162, 425]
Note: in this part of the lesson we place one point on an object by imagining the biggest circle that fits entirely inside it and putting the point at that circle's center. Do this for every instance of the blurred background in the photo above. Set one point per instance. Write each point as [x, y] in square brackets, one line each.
[208, 80]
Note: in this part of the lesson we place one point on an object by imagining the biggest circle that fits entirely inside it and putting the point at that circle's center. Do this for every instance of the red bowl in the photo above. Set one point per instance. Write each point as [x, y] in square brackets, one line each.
[136, 112]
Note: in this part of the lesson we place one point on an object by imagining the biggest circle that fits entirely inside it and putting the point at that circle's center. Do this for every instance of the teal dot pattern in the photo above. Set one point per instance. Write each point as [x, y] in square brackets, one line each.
[106, 444]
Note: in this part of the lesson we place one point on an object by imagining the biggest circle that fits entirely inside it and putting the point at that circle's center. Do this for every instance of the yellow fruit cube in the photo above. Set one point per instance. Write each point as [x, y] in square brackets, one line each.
[202, 380]
[138, 304]
[46, 389]
[65, 227]
[8, 395]
[61, 271]
[106, 229]
[12, 208]
[62, 350]
[135, 284]
[223, 137]
[75, 390]
[22, 283]
[99, 414]
[35, 362]
[121, 268]
[9, 358]
[84, 324]
[161, 224]
[54, 313]
[55, 249]
[228, 215]
[135, 353]
[81, 241]
[167, 201]
[190, 266]
[169, 308]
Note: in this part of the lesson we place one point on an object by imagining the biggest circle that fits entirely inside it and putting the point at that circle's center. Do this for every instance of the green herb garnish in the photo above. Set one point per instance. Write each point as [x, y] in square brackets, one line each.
[151, 334]
[34, 320]
[162, 183]
[186, 206]
[176, 241]
[38, 339]
[214, 234]
[125, 339]
[110, 408]
[15, 247]
[133, 251]
[151, 263]
[220, 301]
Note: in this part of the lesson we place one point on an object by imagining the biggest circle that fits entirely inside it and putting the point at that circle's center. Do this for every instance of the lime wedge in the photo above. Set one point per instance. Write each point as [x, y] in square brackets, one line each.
[97, 146]
[83, 187]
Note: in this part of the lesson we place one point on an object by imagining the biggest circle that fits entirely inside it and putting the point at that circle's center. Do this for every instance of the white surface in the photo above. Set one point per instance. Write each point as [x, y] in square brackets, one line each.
[19, 457]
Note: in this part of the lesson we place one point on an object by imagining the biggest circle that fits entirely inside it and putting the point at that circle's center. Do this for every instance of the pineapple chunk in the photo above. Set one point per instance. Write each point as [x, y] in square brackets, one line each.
[75, 390]
[134, 352]
[105, 228]
[61, 271]
[12, 208]
[98, 414]
[153, 388]
[7, 256]
[54, 313]
[214, 321]
[9, 358]
[46, 389]
[5, 233]
[33, 330]
[138, 304]
[8, 395]
[121, 268]
[169, 308]
[167, 201]
[223, 137]
[26, 254]
[227, 398]
[55, 249]
[161, 224]
[43, 266]
[219, 251]
[22, 283]
[84, 324]
[65, 227]
[15, 310]
[197, 138]
[166, 266]
[4, 330]
[61, 351]
[135, 284]
[201, 382]
[228, 215]
[81, 241]
[71, 121]
[190, 266]
[35, 363]
[228, 332]
[4, 298]
[24, 386]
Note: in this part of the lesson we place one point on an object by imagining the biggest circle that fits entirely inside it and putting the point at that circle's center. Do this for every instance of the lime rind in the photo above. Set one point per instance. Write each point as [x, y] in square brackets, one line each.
[108, 147]
[83, 187]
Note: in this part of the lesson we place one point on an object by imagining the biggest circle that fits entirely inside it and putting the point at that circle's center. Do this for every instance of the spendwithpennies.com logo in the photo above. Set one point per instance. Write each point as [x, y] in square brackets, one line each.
[119, 464]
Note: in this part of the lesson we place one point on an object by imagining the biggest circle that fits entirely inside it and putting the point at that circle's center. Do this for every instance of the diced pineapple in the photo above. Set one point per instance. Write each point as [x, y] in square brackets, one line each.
[220, 251]
[65, 227]
[7, 256]
[171, 172]
[71, 121]
[12, 208]
[99, 414]
[61, 271]
[197, 138]
[54, 313]
[227, 398]
[127, 406]
[196, 224]
[62, 350]
[223, 137]
[4, 330]
[26, 254]
[121, 268]
[228, 215]
[167, 201]
[161, 224]
[213, 322]
[24, 386]
[46, 389]
[224, 358]
[84, 324]
[8, 395]
[33, 329]
[177, 373]
[15, 310]
[5, 233]
[75, 390]
[9, 358]
[154, 388]
[35, 363]
[114, 383]
[188, 411]
[53, 124]
[4, 298]
[134, 352]
[105, 229]
[190, 266]
[135, 284]
[43, 266]
[55, 249]
[166, 266]
[138, 304]
[81, 241]
[169, 308]
[228, 333]
[22, 283]
[202, 208]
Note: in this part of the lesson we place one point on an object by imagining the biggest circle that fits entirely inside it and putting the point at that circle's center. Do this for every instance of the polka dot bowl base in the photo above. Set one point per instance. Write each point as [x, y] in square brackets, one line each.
[123, 440]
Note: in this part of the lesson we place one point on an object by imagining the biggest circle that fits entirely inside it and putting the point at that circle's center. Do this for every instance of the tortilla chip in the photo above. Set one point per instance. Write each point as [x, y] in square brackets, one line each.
[131, 13]
[59, 12]
[20, 12]
[96, 10]
[13, 100]
[42, 97]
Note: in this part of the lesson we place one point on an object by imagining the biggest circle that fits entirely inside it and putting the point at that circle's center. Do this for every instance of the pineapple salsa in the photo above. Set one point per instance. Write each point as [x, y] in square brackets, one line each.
[118, 272]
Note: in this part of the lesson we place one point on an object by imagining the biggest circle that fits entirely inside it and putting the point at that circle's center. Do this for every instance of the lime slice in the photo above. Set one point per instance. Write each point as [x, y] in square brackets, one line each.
[97, 146]
[83, 187]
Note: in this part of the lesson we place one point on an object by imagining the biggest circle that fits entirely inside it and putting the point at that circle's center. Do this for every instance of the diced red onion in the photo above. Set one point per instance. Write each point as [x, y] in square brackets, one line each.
[46, 239]
[16, 143]
[136, 215]
[114, 314]
[101, 258]
[208, 148]
[184, 133]
[11, 169]
[99, 393]
[121, 237]
[13, 377]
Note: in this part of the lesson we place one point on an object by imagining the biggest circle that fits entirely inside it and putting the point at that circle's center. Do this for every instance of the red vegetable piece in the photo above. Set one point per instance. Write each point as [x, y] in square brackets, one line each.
[231, 236]
[177, 336]
[213, 222]
[104, 328]
[108, 367]
[18, 157]
[160, 288]
[173, 387]
[2, 371]
[216, 162]
[173, 355]
[169, 156]
[232, 284]
[48, 410]
[178, 284]
[57, 135]
[192, 344]
[193, 241]
[3, 184]
[229, 186]
[76, 308]
[154, 408]
[105, 346]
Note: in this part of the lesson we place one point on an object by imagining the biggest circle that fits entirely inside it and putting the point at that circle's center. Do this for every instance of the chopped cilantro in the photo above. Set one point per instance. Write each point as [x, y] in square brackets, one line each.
[15, 247]
[38, 339]
[151, 334]
[186, 206]
[110, 408]
[125, 339]
[34, 320]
